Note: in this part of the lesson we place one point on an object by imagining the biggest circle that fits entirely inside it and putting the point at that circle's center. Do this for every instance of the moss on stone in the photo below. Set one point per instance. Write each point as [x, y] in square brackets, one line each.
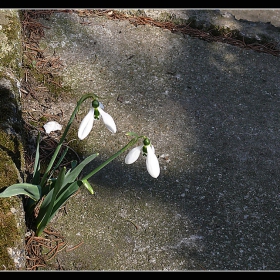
[12, 223]
[9, 232]
[10, 46]
[12, 159]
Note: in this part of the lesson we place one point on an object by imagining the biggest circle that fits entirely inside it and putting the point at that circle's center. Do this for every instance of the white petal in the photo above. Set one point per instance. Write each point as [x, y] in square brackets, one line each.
[152, 163]
[86, 125]
[108, 120]
[52, 126]
[133, 155]
[101, 105]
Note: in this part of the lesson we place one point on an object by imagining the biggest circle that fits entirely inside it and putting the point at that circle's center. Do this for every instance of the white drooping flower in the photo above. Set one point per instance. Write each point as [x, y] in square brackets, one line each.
[86, 124]
[52, 126]
[94, 113]
[148, 150]
[152, 163]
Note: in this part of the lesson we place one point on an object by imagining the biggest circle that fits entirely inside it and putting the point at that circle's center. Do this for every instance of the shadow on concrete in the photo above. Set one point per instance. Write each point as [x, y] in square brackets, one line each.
[213, 109]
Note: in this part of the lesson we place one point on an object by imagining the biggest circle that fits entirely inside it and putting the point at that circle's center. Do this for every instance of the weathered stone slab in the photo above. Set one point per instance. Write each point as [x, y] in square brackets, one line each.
[12, 220]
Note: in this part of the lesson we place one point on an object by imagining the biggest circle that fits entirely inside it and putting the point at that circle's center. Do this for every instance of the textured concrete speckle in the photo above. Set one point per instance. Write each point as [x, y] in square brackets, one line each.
[211, 112]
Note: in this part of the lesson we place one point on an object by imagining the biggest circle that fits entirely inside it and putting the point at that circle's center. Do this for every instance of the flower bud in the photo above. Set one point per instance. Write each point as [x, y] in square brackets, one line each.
[95, 103]
[146, 141]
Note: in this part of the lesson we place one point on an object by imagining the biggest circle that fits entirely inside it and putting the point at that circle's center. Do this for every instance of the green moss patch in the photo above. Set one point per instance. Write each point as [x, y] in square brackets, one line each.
[9, 232]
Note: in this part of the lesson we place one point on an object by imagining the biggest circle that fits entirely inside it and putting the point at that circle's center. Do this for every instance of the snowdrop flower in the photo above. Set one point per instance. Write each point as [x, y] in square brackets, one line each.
[94, 113]
[148, 150]
[52, 126]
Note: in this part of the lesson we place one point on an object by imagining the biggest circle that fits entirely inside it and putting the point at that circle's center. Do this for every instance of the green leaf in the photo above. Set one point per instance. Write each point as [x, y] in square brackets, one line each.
[45, 204]
[69, 178]
[63, 198]
[46, 189]
[61, 192]
[60, 159]
[41, 223]
[62, 138]
[33, 191]
[69, 190]
[36, 172]
[73, 175]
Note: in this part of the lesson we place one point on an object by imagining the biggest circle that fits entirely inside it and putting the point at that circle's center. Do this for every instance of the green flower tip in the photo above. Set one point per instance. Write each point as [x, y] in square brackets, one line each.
[95, 103]
[146, 141]
[88, 186]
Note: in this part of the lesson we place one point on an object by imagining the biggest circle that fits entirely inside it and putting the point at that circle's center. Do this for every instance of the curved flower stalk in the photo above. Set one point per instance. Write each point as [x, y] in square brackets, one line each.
[94, 114]
[148, 151]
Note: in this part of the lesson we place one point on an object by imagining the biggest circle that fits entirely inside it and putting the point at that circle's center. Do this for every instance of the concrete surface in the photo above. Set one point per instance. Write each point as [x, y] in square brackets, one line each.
[251, 23]
[212, 113]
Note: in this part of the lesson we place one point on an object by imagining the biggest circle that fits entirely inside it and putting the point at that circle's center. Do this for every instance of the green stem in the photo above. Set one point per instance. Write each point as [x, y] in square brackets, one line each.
[82, 99]
[130, 143]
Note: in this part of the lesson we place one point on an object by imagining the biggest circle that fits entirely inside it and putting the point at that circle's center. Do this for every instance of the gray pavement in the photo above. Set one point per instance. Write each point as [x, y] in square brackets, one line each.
[212, 113]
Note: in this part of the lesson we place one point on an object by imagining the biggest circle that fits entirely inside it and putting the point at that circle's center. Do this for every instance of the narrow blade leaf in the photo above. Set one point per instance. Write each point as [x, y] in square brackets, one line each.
[32, 191]
[36, 172]
[63, 198]
[41, 224]
[70, 177]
